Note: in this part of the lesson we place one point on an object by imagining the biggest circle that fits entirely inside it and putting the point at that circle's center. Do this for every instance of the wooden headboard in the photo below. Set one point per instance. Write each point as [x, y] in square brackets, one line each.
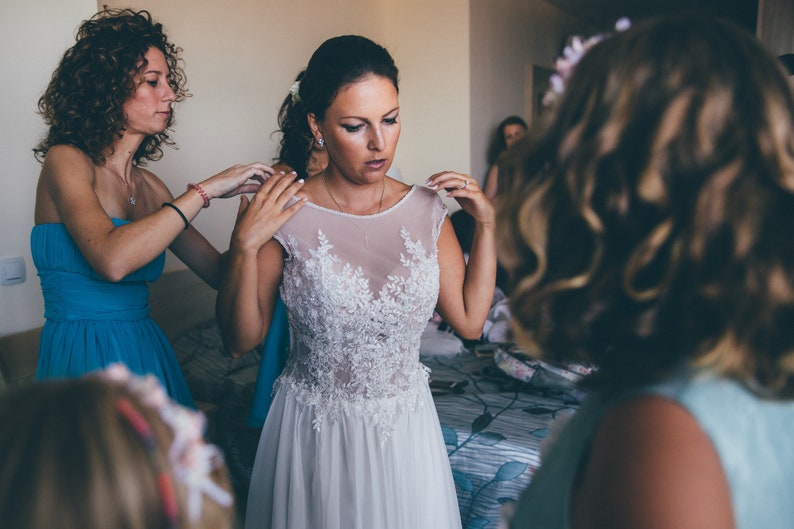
[179, 301]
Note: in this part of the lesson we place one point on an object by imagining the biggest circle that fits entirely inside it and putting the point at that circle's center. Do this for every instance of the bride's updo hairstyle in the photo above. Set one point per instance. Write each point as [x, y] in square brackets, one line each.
[338, 62]
[648, 222]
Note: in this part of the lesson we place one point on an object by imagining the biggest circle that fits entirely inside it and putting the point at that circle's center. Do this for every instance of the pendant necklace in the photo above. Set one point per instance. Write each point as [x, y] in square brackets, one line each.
[339, 207]
[132, 196]
[129, 189]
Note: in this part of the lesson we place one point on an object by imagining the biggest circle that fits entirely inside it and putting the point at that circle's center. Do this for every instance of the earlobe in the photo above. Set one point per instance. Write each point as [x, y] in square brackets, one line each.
[314, 126]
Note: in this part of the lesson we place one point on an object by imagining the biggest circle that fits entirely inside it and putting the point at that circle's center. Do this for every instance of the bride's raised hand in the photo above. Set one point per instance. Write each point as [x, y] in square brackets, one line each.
[465, 190]
[261, 216]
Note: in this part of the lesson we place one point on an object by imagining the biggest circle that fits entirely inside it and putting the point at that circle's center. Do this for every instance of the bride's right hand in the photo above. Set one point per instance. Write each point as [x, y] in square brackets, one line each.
[260, 217]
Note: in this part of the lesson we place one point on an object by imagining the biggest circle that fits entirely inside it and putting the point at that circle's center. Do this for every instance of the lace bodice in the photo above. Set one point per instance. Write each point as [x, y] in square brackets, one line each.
[359, 291]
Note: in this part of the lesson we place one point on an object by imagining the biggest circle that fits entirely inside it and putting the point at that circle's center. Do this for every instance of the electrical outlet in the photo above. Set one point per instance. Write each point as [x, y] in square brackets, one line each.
[12, 271]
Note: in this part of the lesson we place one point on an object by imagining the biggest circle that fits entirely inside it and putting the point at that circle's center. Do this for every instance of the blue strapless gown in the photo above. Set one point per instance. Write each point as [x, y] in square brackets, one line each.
[91, 322]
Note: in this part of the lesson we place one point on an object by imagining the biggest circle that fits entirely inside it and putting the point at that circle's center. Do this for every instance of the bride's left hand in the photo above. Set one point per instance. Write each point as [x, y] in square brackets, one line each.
[465, 190]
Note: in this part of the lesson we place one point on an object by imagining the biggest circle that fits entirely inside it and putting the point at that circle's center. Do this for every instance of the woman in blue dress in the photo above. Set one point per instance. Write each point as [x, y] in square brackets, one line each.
[102, 221]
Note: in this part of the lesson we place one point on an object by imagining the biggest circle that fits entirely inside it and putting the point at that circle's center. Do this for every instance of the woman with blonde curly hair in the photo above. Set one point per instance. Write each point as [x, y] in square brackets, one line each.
[102, 221]
[648, 231]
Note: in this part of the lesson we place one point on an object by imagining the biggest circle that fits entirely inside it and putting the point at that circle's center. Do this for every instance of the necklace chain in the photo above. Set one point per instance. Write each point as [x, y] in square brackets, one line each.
[339, 206]
[132, 196]
[132, 200]
[328, 189]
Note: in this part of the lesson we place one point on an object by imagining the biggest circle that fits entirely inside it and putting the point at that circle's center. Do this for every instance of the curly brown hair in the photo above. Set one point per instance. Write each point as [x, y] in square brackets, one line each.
[649, 220]
[83, 103]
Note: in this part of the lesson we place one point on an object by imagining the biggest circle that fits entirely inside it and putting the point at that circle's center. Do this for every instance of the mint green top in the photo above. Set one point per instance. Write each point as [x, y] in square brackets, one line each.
[754, 439]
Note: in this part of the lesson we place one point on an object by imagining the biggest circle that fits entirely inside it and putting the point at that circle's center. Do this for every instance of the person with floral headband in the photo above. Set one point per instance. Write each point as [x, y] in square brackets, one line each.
[647, 229]
[108, 450]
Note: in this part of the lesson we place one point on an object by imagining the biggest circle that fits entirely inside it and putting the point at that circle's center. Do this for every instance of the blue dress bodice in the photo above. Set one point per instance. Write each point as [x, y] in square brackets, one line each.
[91, 323]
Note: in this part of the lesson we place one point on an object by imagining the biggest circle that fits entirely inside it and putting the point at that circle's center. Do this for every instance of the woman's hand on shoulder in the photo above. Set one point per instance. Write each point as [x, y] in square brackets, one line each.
[238, 179]
[465, 190]
[261, 216]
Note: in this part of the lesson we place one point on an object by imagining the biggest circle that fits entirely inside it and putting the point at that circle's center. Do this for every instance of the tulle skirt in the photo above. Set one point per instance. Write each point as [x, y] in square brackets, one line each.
[347, 475]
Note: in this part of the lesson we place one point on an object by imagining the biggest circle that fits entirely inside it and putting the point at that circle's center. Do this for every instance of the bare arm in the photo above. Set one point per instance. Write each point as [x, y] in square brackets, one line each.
[466, 292]
[651, 466]
[193, 249]
[68, 193]
[251, 271]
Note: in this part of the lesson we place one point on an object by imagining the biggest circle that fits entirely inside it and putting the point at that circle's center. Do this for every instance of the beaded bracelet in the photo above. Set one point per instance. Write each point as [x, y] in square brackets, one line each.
[184, 218]
[201, 192]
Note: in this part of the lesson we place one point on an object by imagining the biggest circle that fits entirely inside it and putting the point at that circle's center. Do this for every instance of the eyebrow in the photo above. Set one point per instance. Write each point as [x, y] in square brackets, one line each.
[364, 119]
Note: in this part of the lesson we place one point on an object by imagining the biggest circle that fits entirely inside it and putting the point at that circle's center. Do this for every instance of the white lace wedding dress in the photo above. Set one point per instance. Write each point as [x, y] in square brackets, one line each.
[352, 439]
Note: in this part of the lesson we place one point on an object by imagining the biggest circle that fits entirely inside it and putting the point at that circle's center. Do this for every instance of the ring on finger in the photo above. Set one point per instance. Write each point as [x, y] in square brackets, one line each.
[465, 184]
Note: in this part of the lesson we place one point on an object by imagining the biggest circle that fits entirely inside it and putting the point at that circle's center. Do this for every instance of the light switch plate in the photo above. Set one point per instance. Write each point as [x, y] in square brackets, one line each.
[12, 270]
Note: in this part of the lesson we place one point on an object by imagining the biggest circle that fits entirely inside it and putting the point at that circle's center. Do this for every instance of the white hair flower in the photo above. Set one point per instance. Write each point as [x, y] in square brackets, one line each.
[294, 91]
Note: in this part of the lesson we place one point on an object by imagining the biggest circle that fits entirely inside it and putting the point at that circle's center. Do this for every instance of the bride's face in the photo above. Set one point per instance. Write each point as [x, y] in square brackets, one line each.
[361, 129]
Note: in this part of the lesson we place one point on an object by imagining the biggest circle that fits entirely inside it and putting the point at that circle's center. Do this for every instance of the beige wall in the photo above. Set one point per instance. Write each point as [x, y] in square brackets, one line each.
[430, 43]
[508, 37]
[33, 35]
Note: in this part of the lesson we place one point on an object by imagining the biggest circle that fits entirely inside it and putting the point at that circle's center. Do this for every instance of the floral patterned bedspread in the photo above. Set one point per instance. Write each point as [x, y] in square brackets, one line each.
[494, 427]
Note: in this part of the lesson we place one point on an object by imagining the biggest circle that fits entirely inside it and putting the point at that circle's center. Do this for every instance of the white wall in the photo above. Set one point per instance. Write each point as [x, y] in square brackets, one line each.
[33, 35]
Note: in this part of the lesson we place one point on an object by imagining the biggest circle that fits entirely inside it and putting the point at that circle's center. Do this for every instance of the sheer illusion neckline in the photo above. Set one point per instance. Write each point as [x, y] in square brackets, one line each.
[368, 216]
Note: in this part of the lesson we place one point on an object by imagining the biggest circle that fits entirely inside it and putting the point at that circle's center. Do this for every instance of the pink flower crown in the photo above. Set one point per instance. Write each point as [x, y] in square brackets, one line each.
[190, 459]
[571, 56]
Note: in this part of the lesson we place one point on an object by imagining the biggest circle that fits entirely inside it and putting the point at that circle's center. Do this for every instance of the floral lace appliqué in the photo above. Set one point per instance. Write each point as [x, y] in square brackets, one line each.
[355, 351]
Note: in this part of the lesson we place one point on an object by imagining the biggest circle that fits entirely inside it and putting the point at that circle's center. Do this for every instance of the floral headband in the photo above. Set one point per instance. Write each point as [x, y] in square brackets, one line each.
[190, 459]
[571, 56]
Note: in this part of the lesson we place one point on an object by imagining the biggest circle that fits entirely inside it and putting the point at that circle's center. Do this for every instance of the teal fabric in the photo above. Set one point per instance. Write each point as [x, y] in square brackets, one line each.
[91, 323]
[275, 350]
[752, 436]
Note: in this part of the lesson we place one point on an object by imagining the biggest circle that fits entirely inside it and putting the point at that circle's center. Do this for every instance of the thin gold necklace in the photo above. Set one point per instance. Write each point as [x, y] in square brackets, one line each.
[328, 189]
[359, 228]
